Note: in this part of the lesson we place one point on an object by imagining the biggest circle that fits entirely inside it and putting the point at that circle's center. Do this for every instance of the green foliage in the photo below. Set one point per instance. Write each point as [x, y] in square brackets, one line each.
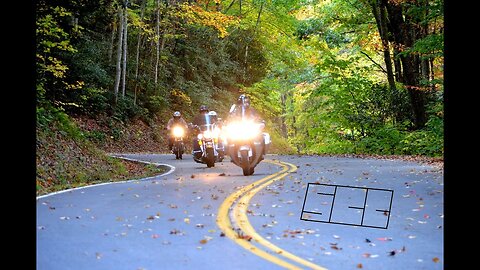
[312, 68]
[51, 116]
[126, 109]
[53, 42]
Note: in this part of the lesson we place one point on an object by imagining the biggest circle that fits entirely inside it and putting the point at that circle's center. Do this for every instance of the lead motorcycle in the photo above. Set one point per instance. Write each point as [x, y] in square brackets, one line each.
[247, 144]
[178, 145]
[211, 146]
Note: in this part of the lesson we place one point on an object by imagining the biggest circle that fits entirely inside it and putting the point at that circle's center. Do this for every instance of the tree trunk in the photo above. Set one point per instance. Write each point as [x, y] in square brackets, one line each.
[379, 12]
[405, 34]
[125, 49]
[249, 40]
[119, 53]
[283, 98]
[157, 31]
[112, 43]
[382, 23]
[137, 55]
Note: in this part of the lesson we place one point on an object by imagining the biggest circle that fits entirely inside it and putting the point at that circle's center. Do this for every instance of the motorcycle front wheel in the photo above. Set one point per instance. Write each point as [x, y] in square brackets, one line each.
[246, 163]
[210, 158]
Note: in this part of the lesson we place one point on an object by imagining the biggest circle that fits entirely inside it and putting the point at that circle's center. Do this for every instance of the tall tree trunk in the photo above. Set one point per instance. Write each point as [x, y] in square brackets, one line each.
[405, 33]
[379, 12]
[112, 42]
[137, 55]
[283, 98]
[157, 33]
[380, 15]
[125, 49]
[397, 64]
[119, 53]
[249, 40]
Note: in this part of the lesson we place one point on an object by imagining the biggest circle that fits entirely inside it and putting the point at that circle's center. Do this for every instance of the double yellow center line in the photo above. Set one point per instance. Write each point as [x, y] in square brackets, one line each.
[238, 202]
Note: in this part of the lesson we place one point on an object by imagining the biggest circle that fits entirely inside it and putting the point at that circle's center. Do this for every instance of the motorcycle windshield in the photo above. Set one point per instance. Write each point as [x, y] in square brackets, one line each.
[208, 123]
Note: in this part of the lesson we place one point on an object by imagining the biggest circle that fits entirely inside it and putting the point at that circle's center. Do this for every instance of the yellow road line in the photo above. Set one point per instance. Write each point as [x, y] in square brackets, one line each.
[239, 216]
[223, 221]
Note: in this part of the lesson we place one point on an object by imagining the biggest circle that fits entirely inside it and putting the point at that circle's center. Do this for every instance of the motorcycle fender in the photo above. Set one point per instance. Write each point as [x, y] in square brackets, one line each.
[244, 147]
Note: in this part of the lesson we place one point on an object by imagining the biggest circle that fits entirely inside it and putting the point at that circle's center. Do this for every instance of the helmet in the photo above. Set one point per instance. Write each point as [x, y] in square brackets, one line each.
[203, 108]
[177, 114]
[213, 115]
[243, 100]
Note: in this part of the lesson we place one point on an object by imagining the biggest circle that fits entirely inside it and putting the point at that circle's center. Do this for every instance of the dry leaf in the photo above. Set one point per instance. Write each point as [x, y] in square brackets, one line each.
[384, 238]
[436, 259]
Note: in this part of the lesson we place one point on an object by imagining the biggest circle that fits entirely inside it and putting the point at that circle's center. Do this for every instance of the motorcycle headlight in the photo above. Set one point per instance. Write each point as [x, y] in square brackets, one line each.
[243, 130]
[207, 134]
[178, 132]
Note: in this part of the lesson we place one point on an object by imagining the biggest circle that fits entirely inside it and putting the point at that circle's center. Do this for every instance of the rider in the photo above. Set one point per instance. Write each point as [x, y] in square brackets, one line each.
[217, 123]
[199, 120]
[243, 110]
[176, 120]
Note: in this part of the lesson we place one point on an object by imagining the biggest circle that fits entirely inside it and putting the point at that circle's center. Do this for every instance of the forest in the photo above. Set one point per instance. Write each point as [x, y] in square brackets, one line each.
[328, 76]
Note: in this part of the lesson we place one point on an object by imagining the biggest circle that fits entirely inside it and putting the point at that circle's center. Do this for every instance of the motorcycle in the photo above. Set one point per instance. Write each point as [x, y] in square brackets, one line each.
[178, 146]
[247, 144]
[211, 148]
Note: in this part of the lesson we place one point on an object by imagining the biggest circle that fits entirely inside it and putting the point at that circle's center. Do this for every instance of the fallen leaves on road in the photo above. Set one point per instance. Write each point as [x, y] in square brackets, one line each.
[335, 246]
[384, 239]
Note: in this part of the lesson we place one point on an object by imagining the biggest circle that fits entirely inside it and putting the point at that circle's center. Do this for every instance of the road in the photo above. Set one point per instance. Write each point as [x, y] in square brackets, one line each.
[196, 217]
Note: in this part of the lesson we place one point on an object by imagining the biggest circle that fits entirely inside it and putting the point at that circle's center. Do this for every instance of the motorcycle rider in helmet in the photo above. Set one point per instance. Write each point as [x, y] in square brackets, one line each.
[218, 124]
[176, 120]
[199, 120]
[243, 110]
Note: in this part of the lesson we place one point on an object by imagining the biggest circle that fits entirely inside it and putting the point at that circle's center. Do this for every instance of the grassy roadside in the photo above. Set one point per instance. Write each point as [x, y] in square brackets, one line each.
[66, 159]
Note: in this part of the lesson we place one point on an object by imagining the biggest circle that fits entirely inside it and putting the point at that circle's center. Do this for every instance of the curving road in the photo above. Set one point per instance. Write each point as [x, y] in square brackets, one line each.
[196, 217]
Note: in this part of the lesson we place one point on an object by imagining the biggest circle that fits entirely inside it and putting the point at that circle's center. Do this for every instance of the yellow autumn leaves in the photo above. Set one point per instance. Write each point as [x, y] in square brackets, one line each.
[197, 15]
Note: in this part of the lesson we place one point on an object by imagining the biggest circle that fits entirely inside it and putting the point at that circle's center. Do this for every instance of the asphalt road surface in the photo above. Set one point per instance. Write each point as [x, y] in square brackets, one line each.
[295, 212]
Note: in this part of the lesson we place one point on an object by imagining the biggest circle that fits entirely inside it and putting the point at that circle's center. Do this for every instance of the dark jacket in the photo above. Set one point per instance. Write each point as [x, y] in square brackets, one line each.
[173, 122]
